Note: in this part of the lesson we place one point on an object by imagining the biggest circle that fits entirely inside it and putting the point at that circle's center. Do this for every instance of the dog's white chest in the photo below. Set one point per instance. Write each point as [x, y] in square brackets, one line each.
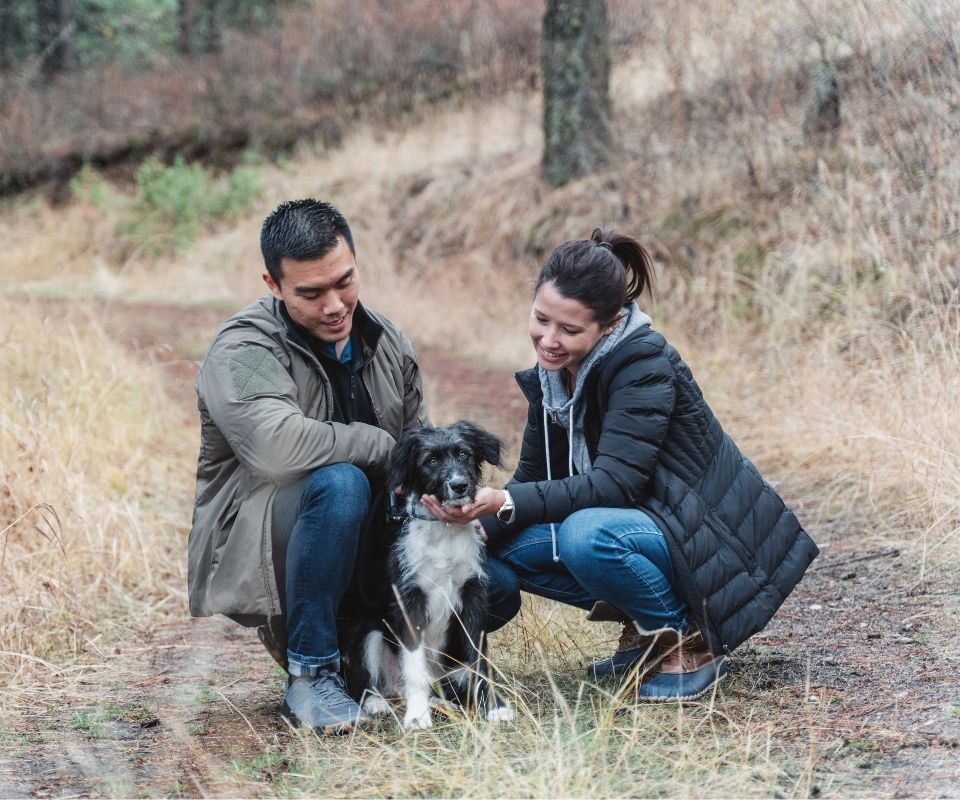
[441, 558]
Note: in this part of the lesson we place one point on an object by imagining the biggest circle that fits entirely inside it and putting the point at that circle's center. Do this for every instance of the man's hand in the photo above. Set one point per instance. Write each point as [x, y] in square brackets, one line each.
[486, 501]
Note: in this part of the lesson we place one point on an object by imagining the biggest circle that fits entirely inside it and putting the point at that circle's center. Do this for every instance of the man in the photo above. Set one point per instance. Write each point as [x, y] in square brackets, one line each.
[302, 395]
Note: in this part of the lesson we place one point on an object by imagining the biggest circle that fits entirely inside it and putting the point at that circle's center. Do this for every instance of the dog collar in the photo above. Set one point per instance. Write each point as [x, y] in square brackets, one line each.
[416, 512]
[411, 509]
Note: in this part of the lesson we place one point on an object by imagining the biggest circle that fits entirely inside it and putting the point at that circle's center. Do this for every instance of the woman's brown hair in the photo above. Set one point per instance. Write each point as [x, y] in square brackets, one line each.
[605, 272]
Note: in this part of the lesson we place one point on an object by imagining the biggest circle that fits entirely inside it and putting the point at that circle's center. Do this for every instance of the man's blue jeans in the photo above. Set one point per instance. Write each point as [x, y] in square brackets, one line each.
[316, 534]
[616, 555]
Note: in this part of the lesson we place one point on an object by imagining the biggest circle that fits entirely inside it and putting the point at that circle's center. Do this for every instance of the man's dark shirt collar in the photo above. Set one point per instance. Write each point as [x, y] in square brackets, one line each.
[364, 335]
[351, 400]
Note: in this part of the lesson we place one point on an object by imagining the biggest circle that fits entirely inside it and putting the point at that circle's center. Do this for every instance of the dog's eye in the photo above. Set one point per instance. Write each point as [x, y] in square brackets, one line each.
[433, 461]
[461, 455]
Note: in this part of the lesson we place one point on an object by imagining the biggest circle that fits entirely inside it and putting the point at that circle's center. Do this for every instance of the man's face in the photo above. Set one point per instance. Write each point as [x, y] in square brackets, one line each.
[321, 295]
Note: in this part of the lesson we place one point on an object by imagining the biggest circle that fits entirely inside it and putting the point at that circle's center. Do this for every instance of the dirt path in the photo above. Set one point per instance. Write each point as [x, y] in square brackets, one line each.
[875, 658]
[860, 653]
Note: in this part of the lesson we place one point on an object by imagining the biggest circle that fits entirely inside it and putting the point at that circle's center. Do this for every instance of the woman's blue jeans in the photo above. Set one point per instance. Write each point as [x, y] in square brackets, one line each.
[317, 525]
[616, 555]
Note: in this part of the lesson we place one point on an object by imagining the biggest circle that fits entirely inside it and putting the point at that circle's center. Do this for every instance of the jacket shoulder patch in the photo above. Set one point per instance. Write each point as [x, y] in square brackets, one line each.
[254, 371]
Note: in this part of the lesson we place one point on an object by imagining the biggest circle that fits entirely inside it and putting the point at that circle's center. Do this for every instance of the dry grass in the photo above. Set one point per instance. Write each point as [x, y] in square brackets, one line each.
[571, 738]
[814, 291]
[91, 502]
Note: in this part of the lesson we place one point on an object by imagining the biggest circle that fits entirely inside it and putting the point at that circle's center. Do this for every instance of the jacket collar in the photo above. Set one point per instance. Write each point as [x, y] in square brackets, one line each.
[364, 325]
[529, 379]
[529, 382]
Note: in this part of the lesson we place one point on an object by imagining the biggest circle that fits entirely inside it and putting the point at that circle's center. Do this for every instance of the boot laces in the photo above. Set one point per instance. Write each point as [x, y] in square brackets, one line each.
[630, 638]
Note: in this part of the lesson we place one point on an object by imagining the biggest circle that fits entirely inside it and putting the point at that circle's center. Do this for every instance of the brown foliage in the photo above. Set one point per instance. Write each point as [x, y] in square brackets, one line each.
[317, 69]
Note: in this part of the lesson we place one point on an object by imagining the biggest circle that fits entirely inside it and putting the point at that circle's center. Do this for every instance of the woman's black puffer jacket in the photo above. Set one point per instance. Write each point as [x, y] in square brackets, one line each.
[654, 444]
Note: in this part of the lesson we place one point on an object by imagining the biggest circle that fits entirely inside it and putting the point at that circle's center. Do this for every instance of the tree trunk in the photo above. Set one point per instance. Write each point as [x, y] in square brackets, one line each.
[821, 120]
[212, 40]
[55, 28]
[185, 16]
[576, 89]
[8, 34]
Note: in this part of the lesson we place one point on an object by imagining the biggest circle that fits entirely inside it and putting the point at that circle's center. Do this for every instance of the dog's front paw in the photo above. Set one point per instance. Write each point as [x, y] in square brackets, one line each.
[500, 714]
[417, 722]
[375, 705]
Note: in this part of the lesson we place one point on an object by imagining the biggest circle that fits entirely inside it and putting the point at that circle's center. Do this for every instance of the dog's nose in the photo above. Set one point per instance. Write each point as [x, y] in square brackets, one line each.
[458, 487]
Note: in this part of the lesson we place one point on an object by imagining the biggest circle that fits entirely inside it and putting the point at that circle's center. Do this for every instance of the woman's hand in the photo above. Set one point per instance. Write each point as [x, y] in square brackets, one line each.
[486, 501]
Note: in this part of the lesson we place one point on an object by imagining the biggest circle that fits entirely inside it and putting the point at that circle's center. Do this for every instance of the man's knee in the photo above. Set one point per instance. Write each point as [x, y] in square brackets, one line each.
[344, 484]
[503, 594]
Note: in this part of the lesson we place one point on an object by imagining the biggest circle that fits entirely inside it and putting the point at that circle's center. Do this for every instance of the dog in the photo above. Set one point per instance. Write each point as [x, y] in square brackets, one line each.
[433, 629]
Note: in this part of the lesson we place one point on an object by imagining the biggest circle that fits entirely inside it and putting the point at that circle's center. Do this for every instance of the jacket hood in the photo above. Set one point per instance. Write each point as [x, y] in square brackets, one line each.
[529, 379]
[568, 410]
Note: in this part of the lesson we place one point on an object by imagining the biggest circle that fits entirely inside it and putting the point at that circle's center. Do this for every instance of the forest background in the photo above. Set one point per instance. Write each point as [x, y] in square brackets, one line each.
[807, 269]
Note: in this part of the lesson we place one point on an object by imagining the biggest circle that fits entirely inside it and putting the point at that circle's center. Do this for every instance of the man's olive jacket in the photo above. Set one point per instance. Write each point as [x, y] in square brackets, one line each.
[266, 410]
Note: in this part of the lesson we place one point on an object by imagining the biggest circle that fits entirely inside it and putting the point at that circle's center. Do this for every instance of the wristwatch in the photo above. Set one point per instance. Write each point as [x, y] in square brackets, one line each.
[507, 510]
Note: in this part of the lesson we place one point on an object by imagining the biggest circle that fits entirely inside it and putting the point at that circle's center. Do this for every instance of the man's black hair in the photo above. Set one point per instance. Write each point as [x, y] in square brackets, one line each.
[303, 230]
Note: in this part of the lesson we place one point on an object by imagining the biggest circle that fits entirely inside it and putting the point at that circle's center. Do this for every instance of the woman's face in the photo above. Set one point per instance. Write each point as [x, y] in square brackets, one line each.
[563, 330]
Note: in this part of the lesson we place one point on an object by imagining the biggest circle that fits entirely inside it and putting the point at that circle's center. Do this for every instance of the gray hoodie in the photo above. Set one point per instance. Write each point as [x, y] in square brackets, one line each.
[567, 411]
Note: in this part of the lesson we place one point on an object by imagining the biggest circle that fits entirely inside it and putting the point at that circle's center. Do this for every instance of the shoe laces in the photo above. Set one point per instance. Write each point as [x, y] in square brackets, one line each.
[329, 685]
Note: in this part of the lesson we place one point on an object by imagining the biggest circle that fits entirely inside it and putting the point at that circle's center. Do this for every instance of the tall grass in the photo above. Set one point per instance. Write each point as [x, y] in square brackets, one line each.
[92, 497]
[571, 738]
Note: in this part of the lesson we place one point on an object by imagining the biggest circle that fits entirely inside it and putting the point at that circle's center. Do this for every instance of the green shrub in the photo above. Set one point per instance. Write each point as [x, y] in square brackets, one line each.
[170, 201]
[242, 187]
[175, 202]
[88, 187]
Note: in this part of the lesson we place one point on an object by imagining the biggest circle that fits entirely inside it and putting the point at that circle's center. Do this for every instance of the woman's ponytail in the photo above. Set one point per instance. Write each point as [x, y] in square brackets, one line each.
[605, 272]
[634, 257]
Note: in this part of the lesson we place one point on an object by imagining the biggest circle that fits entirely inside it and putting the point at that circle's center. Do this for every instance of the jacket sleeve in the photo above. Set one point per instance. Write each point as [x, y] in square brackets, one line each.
[414, 407]
[252, 399]
[640, 401]
[530, 466]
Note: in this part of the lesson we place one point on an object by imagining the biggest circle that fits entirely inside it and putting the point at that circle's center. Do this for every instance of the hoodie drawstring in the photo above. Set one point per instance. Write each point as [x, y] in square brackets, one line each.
[546, 441]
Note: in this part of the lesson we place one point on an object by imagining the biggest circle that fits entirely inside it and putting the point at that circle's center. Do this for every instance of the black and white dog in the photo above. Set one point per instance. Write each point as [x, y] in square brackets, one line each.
[433, 630]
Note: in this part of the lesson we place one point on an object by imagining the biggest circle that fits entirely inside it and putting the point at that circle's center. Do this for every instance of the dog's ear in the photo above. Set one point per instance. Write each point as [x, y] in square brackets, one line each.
[483, 443]
[403, 458]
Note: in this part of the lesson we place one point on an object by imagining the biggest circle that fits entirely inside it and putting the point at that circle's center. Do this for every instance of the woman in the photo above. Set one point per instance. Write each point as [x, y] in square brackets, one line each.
[628, 491]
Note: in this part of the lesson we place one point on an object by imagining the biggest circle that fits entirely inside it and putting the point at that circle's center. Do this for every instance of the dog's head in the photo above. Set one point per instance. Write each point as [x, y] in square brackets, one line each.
[445, 462]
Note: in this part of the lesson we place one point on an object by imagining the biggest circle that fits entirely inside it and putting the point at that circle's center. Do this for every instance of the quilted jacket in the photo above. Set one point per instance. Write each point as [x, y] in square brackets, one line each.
[654, 444]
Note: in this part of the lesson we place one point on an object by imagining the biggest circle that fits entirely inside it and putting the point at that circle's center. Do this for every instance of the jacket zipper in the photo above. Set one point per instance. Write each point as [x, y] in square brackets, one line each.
[353, 396]
[324, 380]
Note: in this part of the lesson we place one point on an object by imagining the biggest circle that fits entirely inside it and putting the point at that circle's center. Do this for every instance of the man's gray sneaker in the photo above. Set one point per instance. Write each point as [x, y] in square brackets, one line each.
[322, 703]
